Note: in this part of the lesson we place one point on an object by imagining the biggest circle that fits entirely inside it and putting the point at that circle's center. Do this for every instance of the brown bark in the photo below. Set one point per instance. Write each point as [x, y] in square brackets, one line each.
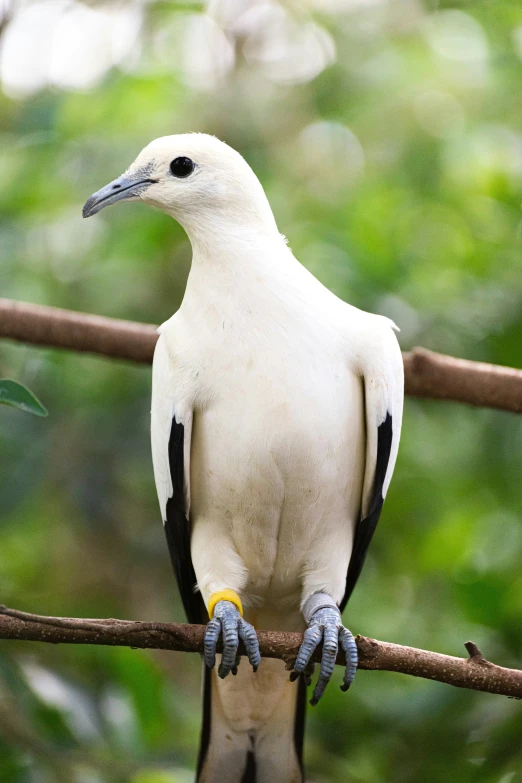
[427, 374]
[59, 328]
[475, 672]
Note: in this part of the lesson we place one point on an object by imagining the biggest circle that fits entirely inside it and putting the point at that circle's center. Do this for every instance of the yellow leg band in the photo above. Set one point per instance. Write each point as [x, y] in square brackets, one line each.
[224, 595]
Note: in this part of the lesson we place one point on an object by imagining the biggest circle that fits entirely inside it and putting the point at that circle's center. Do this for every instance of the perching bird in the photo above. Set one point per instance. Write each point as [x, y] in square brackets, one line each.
[276, 416]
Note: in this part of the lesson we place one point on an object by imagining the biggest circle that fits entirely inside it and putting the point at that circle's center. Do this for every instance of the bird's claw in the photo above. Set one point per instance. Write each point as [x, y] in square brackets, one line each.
[228, 623]
[325, 626]
[307, 674]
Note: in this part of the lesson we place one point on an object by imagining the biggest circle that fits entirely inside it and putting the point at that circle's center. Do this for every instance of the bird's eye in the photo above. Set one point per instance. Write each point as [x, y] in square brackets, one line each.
[182, 167]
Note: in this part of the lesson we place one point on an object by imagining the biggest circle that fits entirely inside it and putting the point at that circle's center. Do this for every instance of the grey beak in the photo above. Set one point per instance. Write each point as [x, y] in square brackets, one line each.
[128, 187]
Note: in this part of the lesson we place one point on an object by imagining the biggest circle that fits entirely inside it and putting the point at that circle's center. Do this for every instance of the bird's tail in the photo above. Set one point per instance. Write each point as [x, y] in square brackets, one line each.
[253, 726]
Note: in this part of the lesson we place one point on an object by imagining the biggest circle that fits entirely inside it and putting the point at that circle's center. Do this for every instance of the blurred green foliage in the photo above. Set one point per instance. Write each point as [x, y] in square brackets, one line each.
[389, 139]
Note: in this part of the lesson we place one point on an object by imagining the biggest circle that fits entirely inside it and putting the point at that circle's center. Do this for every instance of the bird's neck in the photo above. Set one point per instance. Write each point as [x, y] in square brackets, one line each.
[235, 266]
[225, 245]
[234, 246]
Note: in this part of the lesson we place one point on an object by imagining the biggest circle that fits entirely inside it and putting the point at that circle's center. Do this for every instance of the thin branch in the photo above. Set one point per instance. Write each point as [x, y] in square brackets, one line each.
[427, 374]
[435, 375]
[475, 672]
[59, 328]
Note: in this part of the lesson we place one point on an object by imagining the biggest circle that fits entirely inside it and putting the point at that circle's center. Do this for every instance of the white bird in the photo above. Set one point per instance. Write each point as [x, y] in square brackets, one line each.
[276, 416]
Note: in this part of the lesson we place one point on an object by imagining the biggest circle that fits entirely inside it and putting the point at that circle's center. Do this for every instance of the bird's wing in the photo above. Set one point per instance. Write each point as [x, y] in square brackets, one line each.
[383, 378]
[171, 430]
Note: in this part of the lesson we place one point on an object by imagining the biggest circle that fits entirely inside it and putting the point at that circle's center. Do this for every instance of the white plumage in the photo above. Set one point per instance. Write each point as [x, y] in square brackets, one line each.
[281, 388]
[273, 366]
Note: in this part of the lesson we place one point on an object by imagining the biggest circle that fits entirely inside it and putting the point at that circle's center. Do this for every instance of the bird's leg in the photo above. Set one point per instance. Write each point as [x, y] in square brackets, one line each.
[325, 625]
[226, 621]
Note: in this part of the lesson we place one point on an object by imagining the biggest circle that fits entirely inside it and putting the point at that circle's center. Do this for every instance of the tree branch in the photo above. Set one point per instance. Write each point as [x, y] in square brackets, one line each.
[475, 672]
[427, 374]
[435, 375]
[57, 328]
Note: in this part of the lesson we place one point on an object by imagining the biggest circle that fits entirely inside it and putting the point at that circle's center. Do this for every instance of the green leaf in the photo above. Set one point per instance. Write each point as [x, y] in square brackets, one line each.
[19, 396]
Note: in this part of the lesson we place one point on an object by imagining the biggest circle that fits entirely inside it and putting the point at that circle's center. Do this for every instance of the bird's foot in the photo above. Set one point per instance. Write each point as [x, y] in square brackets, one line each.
[228, 623]
[325, 626]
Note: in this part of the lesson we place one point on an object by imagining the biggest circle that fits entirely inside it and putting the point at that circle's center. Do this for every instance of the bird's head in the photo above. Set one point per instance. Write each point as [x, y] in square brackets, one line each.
[193, 177]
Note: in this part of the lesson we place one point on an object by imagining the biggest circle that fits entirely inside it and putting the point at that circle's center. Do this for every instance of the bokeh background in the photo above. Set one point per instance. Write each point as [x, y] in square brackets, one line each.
[388, 136]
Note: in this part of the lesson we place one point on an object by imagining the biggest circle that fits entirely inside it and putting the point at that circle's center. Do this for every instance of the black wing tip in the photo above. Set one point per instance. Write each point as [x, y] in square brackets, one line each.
[366, 527]
[178, 532]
